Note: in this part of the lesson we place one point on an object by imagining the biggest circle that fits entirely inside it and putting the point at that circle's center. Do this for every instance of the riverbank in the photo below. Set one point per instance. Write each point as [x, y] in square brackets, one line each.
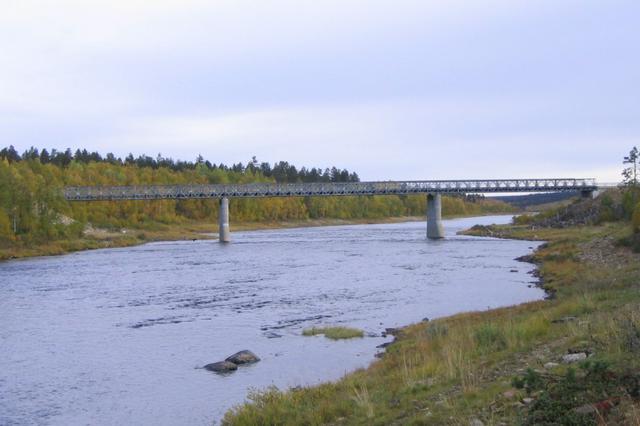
[101, 238]
[573, 359]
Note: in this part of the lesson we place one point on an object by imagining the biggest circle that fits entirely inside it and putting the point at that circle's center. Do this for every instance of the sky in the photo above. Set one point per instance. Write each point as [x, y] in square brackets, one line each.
[402, 89]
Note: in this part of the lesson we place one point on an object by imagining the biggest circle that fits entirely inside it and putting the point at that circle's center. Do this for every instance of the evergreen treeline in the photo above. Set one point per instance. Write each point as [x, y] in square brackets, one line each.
[281, 171]
[33, 210]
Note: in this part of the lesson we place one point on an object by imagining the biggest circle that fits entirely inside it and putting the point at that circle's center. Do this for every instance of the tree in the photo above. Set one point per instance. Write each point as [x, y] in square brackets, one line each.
[630, 173]
[44, 156]
[5, 226]
[10, 154]
[31, 154]
[66, 157]
[111, 158]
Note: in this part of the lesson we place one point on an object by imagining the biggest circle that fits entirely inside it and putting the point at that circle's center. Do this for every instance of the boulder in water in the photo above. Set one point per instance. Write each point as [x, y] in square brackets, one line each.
[221, 367]
[243, 357]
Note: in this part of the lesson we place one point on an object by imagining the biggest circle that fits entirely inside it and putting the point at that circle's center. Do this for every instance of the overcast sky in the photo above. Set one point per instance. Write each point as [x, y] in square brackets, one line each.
[398, 89]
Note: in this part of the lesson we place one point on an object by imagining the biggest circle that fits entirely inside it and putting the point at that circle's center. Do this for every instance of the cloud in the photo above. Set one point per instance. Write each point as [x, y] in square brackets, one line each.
[386, 140]
[406, 89]
[77, 57]
[225, 25]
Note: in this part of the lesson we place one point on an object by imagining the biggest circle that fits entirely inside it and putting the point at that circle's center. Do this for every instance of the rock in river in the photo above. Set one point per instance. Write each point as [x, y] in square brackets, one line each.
[243, 357]
[221, 367]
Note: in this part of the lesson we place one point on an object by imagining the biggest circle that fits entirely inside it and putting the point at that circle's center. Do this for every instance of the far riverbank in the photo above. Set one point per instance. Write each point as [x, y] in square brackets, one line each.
[96, 238]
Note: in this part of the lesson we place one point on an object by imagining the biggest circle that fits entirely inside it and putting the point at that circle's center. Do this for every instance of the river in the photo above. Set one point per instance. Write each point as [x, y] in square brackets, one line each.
[118, 336]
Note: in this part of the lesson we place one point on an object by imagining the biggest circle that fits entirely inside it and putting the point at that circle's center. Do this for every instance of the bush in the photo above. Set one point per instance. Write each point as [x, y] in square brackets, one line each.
[607, 209]
[523, 219]
[530, 381]
[635, 219]
[632, 241]
[630, 198]
[560, 396]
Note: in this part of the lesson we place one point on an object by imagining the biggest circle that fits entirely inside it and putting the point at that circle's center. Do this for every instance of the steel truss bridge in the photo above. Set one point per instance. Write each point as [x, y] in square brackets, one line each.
[433, 188]
[162, 192]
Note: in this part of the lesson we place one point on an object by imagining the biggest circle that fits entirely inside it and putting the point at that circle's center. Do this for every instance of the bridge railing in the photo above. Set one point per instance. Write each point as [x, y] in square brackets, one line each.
[142, 192]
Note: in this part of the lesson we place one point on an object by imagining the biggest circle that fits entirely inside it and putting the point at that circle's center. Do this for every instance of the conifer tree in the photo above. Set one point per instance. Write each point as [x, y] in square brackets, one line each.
[630, 173]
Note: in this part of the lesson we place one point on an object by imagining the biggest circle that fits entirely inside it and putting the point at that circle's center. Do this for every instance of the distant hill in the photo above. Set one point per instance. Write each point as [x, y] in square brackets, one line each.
[524, 201]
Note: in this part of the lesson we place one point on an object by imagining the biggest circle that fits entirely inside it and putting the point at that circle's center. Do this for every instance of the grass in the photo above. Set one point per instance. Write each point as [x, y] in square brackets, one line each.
[106, 239]
[453, 370]
[334, 333]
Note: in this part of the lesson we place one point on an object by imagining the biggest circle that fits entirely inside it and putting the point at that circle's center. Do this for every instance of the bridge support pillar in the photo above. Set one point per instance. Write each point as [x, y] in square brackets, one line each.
[435, 230]
[224, 235]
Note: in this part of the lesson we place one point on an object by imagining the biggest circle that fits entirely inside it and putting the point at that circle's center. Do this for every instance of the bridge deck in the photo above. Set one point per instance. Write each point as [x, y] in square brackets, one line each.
[158, 192]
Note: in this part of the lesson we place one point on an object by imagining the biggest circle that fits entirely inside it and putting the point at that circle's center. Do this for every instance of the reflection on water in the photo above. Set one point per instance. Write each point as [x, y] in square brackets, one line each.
[117, 336]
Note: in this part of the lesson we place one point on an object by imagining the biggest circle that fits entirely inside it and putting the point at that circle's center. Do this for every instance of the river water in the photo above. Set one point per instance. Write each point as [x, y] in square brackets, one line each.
[117, 336]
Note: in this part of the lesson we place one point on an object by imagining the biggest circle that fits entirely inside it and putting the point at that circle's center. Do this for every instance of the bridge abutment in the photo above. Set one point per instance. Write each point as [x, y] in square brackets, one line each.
[589, 194]
[224, 234]
[435, 229]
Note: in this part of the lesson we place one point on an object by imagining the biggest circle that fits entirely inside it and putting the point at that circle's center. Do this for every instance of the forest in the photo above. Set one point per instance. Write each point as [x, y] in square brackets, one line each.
[33, 210]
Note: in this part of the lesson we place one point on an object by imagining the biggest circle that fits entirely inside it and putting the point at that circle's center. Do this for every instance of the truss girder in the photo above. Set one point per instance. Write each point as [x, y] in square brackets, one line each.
[159, 192]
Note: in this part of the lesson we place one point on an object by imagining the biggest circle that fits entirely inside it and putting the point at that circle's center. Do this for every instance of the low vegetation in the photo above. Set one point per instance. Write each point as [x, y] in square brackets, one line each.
[503, 366]
[334, 333]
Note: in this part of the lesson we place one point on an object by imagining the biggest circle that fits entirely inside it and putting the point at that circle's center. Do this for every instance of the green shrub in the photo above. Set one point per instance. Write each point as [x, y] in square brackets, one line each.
[607, 209]
[560, 396]
[523, 219]
[630, 199]
[635, 219]
[530, 381]
[632, 241]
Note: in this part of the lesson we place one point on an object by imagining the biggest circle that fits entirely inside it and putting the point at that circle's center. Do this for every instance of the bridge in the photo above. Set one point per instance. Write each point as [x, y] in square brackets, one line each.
[432, 188]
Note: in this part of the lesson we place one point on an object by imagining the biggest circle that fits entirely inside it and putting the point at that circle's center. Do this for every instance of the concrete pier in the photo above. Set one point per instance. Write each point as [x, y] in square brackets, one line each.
[435, 230]
[224, 234]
